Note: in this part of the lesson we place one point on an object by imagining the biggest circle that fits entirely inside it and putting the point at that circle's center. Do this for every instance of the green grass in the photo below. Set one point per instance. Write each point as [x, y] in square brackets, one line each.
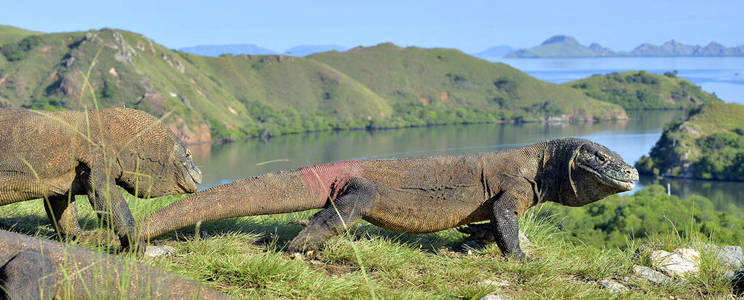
[211, 98]
[245, 257]
[640, 90]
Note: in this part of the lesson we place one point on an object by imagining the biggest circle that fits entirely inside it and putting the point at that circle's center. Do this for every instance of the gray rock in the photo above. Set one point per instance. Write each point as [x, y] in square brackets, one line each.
[680, 263]
[729, 256]
[155, 251]
[494, 297]
[613, 286]
[650, 274]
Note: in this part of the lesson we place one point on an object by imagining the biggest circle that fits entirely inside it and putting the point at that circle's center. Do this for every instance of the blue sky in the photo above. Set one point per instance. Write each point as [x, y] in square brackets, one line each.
[467, 25]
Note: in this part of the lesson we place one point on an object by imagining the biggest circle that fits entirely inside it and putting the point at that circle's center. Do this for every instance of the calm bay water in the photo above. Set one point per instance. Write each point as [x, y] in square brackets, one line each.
[721, 75]
[631, 139]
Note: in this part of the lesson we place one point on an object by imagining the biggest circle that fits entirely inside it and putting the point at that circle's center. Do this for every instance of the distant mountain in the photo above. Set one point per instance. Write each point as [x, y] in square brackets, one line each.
[562, 46]
[305, 50]
[234, 49]
[567, 46]
[674, 48]
[495, 52]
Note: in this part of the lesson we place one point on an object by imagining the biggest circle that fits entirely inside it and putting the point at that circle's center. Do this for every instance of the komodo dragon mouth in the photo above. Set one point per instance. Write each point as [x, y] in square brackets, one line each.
[625, 184]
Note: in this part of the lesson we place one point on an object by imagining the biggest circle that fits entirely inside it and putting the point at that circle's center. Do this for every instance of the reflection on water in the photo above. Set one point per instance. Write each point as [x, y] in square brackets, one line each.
[721, 193]
[631, 139]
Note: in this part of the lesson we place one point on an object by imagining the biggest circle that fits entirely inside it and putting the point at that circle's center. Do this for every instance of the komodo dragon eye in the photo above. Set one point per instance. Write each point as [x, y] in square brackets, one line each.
[602, 157]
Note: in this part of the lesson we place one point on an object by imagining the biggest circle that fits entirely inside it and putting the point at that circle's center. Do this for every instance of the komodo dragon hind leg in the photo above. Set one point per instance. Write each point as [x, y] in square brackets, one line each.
[28, 275]
[354, 202]
[62, 213]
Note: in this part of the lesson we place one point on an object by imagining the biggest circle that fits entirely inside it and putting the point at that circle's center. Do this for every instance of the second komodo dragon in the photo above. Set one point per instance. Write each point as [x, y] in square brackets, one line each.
[415, 195]
[57, 155]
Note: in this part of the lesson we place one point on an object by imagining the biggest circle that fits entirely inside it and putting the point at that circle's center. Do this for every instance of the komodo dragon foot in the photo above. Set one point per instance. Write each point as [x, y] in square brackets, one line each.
[482, 232]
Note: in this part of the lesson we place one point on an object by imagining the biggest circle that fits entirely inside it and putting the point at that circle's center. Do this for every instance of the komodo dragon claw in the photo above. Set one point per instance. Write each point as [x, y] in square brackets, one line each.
[482, 232]
[301, 222]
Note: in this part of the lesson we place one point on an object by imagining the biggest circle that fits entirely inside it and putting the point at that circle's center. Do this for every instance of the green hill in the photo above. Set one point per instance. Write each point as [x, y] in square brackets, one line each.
[708, 144]
[230, 97]
[11, 34]
[635, 90]
[412, 76]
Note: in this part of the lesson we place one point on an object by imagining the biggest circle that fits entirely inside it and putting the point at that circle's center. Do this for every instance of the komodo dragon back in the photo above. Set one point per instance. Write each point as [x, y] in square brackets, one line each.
[79, 273]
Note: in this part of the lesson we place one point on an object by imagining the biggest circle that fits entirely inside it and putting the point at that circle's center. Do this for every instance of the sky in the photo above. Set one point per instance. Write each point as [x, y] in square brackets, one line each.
[471, 26]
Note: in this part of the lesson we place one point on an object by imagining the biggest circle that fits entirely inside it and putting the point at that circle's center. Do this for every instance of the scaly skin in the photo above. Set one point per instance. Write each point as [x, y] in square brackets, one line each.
[33, 268]
[57, 155]
[415, 195]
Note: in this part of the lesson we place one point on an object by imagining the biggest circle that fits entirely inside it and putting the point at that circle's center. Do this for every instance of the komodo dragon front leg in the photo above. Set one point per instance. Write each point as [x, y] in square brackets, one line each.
[109, 204]
[354, 202]
[504, 225]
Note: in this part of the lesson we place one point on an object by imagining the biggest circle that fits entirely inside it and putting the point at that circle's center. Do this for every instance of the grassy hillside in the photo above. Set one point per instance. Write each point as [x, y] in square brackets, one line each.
[708, 144]
[230, 97]
[245, 257]
[635, 90]
[412, 77]
[11, 34]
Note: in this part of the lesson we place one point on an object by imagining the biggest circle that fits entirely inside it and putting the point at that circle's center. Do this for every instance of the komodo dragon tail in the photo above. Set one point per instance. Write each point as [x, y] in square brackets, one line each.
[280, 192]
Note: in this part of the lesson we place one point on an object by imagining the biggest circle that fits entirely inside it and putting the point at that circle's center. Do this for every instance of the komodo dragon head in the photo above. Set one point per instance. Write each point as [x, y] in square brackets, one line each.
[594, 172]
[152, 160]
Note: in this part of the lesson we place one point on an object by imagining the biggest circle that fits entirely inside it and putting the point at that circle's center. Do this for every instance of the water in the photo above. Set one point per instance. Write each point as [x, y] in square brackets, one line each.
[631, 139]
[721, 75]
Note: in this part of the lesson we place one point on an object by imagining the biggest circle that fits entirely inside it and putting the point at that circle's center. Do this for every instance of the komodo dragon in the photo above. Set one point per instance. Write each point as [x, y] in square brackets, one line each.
[56, 155]
[415, 195]
[32, 268]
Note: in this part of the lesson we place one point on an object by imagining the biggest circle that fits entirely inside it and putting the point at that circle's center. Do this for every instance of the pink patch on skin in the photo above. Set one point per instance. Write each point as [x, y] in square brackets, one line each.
[321, 178]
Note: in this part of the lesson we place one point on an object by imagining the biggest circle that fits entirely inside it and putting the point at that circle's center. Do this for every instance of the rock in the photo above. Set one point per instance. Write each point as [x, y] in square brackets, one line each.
[729, 256]
[494, 297]
[678, 264]
[650, 274]
[494, 282]
[155, 251]
[613, 286]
